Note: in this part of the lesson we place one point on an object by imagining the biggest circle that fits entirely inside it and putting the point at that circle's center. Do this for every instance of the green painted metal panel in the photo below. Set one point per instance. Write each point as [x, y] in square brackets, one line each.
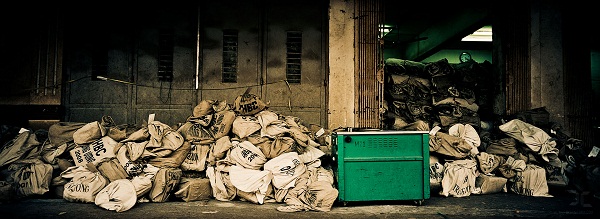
[382, 165]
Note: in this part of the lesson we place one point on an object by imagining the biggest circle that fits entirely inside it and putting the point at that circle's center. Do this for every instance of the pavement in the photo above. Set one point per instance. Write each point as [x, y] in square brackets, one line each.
[563, 204]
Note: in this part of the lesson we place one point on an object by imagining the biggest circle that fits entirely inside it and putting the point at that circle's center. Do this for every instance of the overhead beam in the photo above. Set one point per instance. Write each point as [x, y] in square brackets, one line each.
[458, 24]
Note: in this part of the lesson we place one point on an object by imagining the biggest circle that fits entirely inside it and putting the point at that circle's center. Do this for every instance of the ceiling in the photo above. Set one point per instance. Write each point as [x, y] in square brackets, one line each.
[421, 29]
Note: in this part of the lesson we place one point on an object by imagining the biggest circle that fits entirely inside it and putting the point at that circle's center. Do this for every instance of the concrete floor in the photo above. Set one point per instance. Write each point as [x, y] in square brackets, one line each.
[500, 205]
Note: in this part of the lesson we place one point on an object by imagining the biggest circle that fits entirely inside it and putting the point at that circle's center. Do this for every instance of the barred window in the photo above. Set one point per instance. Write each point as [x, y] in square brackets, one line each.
[165, 55]
[230, 56]
[293, 70]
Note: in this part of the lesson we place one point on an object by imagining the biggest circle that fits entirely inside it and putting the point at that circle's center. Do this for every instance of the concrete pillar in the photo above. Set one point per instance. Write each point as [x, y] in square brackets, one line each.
[546, 53]
[341, 64]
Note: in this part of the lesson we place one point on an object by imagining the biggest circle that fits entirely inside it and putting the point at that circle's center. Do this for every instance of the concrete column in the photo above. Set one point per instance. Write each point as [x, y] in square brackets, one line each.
[341, 64]
[546, 53]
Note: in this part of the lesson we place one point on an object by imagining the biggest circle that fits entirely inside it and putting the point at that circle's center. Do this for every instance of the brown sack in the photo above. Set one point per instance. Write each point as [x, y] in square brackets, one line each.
[89, 133]
[194, 189]
[174, 159]
[111, 169]
[196, 158]
[165, 180]
[490, 184]
[248, 104]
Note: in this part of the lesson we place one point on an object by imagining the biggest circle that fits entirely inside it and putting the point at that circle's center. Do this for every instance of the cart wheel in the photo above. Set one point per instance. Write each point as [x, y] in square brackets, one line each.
[345, 204]
[419, 202]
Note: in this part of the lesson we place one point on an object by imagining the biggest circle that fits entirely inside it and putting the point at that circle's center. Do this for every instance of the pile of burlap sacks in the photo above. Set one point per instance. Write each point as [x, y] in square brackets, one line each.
[240, 151]
[523, 153]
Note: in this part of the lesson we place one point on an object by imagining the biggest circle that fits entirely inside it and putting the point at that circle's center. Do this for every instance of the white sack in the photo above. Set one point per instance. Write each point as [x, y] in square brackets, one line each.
[247, 155]
[285, 168]
[535, 138]
[248, 180]
[120, 195]
[459, 178]
[243, 126]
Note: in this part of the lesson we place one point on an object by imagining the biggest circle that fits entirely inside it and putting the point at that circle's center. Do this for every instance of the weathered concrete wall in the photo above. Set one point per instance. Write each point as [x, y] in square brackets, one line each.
[341, 64]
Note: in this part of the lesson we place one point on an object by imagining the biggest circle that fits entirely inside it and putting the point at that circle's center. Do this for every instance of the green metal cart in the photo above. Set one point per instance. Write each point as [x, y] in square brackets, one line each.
[381, 165]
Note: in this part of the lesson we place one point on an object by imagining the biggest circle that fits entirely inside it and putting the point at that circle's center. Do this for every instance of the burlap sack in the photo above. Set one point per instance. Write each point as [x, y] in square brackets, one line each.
[94, 152]
[243, 126]
[205, 107]
[196, 158]
[530, 182]
[488, 162]
[16, 148]
[503, 146]
[277, 146]
[255, 182]
[118, 196]
[194, 132]
[131, 167]
[62, 132]
[436, 172]
[174, 159]
[221, 123]
[222, 188]
[164, 182]
[89, 133]
[285, 168]
[248, 104]
[459, 178]
[535, 138]
[490, 184]
[110, 168]
[84, 184]
[194, 189]
[33, 177]
[142, 184]
[163, 139]
[219, 150]
[246, 155]
[455, 147]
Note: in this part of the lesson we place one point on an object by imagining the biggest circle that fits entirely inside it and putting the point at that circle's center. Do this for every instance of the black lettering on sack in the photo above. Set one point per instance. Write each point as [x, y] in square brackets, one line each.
[26, 175]
[287, 170]
[24, 185]
[522, 190]
[219, 119]
[461, 191]
[518, 178]
[296, 162]
[134, 168]
[173, 176]
[311, 197]
[78, 187]
[249, 107]
[434, 172]
[98, 147]
[78, 157]
[89, 157]
[192, 156]
[85, 149]
[248, 154]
